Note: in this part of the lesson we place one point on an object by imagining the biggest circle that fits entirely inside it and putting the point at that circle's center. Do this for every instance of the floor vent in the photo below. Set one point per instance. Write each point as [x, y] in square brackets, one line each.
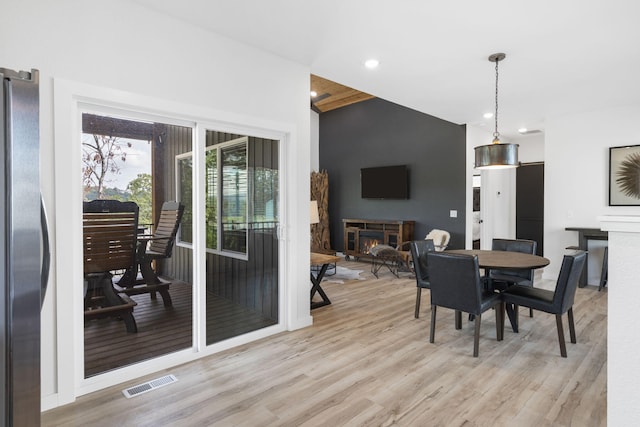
[148, 386]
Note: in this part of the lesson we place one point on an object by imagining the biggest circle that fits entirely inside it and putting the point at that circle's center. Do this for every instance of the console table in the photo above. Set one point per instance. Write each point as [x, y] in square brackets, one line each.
[360, 235]
[323, 261]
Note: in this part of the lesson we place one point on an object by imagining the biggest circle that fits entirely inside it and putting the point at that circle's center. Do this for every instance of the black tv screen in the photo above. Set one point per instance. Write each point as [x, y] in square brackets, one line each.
[387, 182]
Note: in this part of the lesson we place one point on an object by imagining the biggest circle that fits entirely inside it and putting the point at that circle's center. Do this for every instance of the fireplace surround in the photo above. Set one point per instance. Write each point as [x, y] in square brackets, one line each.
[360, 235]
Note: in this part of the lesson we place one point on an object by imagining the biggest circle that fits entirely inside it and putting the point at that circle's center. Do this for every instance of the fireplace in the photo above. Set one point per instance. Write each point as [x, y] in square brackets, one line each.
[368, 240]
[360, 235]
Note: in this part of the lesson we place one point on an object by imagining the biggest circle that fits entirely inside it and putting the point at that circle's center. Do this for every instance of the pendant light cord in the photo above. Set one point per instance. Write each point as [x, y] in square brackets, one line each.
[495, 133]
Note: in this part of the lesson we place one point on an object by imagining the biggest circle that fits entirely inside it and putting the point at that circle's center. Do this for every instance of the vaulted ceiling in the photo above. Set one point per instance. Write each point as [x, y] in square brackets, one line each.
[562, 56]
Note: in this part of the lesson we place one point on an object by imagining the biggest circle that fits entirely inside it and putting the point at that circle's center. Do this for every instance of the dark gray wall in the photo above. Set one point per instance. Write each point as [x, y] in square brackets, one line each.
[380, 133]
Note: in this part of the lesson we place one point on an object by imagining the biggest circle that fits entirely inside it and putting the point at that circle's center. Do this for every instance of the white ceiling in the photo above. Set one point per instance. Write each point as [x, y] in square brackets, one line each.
[562, 55]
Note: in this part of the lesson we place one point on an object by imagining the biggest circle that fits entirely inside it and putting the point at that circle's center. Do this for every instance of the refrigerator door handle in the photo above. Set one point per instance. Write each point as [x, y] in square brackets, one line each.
[46, 255]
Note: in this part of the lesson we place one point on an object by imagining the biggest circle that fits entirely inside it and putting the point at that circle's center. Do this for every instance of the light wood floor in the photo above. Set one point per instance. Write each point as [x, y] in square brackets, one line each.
[367, 362]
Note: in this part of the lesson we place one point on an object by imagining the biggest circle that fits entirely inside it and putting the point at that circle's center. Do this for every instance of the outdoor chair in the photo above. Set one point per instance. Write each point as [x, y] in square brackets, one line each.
[109, 229]
[152, 248]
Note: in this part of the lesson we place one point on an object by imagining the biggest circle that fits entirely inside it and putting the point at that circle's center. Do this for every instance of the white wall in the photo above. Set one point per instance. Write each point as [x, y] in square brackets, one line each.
[623, 369]
[577, 176]
[576, 194]
[531, 148]
[120, 45]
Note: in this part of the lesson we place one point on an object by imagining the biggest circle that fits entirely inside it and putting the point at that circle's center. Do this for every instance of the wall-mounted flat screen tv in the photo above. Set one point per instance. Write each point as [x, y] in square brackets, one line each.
[386, 182]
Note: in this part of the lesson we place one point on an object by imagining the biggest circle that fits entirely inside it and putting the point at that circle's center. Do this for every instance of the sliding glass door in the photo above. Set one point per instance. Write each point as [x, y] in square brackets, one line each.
[150, 163]
[132, 160]
[242, 220]
[240, 229]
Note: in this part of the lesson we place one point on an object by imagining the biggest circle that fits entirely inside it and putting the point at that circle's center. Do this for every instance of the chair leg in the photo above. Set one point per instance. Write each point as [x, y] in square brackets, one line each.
[432, 332]
[130, 323]
[531, 312]
[418, 295]
[500, 321]
[502, 308]
[458, 319]
[572, 326]
[563, 346]
[476, 335]
[166, 298]
[512, 313]
[150, 276]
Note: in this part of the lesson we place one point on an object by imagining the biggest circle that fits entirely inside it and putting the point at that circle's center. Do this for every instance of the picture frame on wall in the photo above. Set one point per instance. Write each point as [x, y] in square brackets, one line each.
[624, 176]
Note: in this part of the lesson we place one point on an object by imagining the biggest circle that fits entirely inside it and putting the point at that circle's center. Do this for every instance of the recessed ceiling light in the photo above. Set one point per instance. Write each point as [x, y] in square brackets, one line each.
[522, 130]
[488, 115]
[371, 63]
[313, 93]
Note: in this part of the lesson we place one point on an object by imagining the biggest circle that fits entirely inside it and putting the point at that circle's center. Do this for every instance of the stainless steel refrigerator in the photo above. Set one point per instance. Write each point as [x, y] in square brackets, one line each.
[24, 253]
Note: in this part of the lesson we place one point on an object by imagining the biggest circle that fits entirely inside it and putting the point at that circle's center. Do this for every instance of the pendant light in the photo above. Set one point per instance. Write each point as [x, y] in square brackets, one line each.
[496, 155]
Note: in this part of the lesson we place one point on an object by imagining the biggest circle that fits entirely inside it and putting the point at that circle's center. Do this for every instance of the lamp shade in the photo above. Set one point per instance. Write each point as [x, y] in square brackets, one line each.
[496, 156]
[314, 218]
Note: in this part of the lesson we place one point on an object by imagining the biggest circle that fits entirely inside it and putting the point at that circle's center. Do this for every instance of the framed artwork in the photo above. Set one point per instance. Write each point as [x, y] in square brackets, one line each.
[624, 176]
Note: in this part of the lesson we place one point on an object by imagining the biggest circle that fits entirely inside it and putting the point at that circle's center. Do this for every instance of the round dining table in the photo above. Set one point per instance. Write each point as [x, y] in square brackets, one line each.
[504, 260]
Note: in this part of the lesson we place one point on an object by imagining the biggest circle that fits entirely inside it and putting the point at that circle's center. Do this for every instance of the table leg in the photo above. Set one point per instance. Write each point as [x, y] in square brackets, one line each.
[317, 288]
[583, 244]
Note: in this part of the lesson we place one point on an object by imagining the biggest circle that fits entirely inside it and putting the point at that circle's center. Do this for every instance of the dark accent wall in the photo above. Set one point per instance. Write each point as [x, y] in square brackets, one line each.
[380, 133]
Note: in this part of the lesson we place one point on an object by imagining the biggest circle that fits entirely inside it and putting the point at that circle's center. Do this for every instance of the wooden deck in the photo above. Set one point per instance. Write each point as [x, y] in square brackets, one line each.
[162, 330]
[366, 361]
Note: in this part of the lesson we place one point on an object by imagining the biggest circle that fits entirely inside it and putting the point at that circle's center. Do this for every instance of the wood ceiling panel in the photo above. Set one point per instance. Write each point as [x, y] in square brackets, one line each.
[332, 95]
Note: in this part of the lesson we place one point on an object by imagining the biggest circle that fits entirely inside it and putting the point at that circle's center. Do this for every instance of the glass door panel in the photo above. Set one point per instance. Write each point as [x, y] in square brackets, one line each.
[241, 205]
[132, 160]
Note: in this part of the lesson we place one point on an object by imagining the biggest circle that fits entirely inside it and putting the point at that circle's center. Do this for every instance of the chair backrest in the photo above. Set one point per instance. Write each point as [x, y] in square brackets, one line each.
[455, 281]
[568, 279]
[515, 245]
[109, 230]
[440, 239]
[166, 229]
[419, 251]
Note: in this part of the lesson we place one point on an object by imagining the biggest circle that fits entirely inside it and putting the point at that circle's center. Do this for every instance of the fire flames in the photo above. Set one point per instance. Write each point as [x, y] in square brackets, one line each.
[368, 244]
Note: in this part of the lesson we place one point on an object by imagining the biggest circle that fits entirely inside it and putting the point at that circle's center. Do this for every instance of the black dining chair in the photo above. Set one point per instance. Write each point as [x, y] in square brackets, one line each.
[456, 284]
[419, 251]
[558, 301]
[502, 279]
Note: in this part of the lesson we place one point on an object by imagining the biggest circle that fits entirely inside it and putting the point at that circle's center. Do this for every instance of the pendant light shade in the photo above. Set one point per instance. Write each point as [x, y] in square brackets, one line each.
[496, 155]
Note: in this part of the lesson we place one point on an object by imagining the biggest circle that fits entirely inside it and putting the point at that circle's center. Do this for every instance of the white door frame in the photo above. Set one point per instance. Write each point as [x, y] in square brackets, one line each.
[69, 99]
